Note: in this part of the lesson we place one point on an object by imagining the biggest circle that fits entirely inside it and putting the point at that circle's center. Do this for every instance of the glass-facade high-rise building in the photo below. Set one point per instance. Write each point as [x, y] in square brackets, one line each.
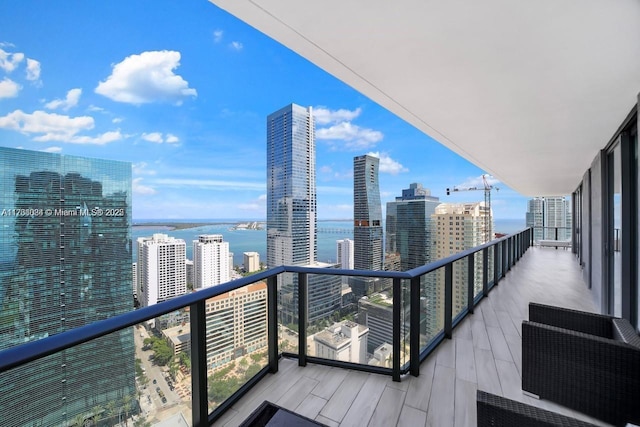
[408, 227]
[291, 187]
[550, 218]
[367, 222]
[291, 212]
[65, 262]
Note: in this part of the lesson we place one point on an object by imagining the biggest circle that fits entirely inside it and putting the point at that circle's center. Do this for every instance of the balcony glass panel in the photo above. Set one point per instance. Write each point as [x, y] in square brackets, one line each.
[431, 306]
[163, 366]
[288, 313]
[351, 319]
[460, 287]
[490, 266]
[477, 267]
[236, 340]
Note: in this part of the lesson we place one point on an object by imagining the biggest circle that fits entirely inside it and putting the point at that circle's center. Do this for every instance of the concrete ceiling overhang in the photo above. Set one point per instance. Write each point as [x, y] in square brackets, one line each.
[528, 90]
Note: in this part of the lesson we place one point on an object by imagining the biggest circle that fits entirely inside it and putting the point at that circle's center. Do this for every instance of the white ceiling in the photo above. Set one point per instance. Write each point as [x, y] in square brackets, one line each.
[528, 90]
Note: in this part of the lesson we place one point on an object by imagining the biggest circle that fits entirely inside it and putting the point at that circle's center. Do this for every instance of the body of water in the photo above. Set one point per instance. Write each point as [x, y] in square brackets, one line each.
[242, 240]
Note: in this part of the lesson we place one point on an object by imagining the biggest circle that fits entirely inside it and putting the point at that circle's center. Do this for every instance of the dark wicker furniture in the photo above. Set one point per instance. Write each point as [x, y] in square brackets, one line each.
[587, 362]
[496, 411]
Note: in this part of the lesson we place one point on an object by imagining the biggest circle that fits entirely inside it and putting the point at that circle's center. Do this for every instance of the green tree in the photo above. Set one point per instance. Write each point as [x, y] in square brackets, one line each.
[173, 369]
[96, 412]
[252, 371]
[112, 410]
[221, 389]
[78, 420]
[141, 422]
[185, 360]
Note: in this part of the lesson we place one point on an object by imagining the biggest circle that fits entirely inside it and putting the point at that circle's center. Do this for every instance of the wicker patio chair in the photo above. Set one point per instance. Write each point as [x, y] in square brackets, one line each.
[496, 411]
[585, 361]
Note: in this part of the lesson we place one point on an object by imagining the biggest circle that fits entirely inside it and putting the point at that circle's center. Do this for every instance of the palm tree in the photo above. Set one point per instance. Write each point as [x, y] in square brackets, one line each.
[97, 413]
[173, 369]
[111, 410]
[78, 421]
[126, 406]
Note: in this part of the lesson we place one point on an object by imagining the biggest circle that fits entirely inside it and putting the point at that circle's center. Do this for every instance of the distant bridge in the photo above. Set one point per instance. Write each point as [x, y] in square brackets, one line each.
[343, 231]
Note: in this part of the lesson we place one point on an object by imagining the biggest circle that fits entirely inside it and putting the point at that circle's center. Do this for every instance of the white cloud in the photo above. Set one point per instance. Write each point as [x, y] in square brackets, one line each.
[147, 77]
[9, 61]
[139, 188]
[95, 108]
[211, 183]
[235, 45]
[326, 169]
[324, 116]
[53, 149]
[73, 96]
[159, 138]
[117, 120]
[355, 137]
[56, 127]
[388, 165]
[257, 205]
[101, 139]
[33, 70]
[217, 36]
[478, 182]
[153, 137]
[141, 169]
[9, 88]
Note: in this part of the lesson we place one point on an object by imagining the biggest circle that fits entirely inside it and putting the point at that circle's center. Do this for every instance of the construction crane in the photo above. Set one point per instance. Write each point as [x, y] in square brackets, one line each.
[487, 203]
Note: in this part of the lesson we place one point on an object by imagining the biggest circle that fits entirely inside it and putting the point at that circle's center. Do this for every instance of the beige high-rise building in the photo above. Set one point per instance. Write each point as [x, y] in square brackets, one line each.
[251, 261]
[236, 324]
[455, 228]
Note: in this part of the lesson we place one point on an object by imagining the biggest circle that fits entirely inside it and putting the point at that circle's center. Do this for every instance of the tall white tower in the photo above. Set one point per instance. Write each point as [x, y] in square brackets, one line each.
[344, 253]
[210, 261]
[161, 268]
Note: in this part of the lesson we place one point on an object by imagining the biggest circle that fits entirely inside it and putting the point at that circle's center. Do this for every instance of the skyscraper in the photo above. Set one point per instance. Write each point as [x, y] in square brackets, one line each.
[210, 261]
[65, 262]
[344, 253]
[550, 218]
[455, 228]
[162, 270]
[291, 187]
[291, 212]
[408, 227]
[367, 225]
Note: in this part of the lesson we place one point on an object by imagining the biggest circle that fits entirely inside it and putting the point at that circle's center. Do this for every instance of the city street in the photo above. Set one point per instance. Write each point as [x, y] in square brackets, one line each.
[151, 402]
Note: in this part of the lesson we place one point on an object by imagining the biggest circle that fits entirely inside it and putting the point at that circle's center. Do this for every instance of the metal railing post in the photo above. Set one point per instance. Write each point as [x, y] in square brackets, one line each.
[397, 327]
[302, 318]
[272, 320]
[471, 260]
[199, 399]
[414, 327]
[448, 299]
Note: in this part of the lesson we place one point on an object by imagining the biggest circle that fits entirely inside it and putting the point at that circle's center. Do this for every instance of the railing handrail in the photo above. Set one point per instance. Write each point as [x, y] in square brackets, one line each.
[33, 350]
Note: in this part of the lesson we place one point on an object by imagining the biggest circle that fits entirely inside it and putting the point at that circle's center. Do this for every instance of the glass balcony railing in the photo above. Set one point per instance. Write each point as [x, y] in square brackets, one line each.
[198, 354]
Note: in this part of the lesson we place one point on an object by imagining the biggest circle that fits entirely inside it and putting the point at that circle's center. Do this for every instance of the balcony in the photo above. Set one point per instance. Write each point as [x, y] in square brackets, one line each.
[484, 353]
[434, 374]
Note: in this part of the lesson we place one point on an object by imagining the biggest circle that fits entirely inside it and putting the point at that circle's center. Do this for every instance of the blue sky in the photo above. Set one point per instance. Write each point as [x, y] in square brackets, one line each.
[181, 90]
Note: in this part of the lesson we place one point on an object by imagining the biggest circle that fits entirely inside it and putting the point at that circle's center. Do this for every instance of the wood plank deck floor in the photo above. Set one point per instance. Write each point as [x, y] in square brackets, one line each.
[484, 353]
